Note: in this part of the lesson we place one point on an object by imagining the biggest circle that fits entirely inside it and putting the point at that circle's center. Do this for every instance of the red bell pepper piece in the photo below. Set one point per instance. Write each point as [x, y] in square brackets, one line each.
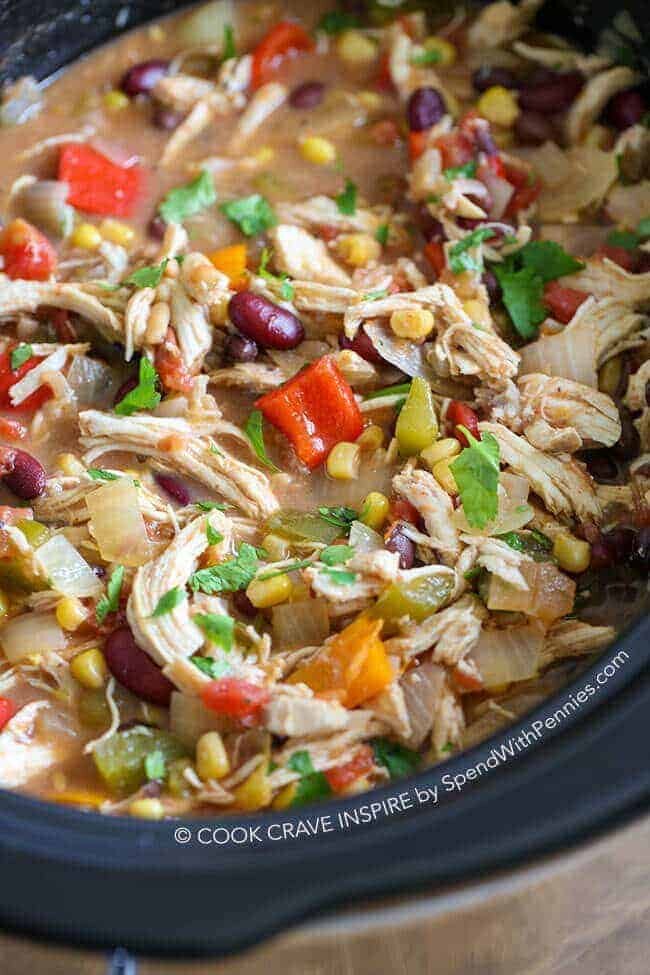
[315, 410]
[170, 365]
[456, 149]
[417, 143]
[12, 429]
[97, 184]
[26, 252]
[236, 698]
[435, 255]
[285, 40]
[403, 510]
[562, 302]
[9, 376]
[461, 415]
[384, 81]
[341, 776]
[7, 711]
[626, 259]
[527, 189]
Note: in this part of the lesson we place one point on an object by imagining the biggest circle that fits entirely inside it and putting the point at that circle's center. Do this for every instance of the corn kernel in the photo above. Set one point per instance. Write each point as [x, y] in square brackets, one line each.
[445, 449]
[444, 49]
[70, 613]
[499, 106]
[443, 475]
[317, 150]
[89, 668]
[372, 437]
[211, 757]
[374, 510]
[34, 531]
[4, 604]
[264, 593]
[117, 232]
[69, 464]
[264, 155]
[255, 792]
[115, 101]
[412, 323]
[478, 311]
[86, 236]
[343, 461]
[147, 809]
[371, 100]
[572, 554]
[353, 47]
[610, 375]
[285, 797]
[358, 250]
[276, 546]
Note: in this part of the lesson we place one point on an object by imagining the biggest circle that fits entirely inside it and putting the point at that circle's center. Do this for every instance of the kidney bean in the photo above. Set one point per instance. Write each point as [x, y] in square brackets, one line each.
[156, 227]
[166, 119]
[134, 669]
[628, 444]
[125, 388]
[486, 77]
[461, 415]
[533, 128]
[398, 542]
[492, 285]
[602, 466]
[613, 548]
[271, 326]
[625, 109]
[308, 95]
[425, 107]
[552, 96]
[362, 345]
[240, 349]
[432, 229]
[243, 605]
[173, 487]
[22, 473]
[142, 78]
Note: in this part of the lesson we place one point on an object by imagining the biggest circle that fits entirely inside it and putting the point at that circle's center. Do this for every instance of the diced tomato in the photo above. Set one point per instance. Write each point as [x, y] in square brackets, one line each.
[12, 429]
[315, 410]
[236, 698]
[384, 80]
[328, 232]
[497, 166]
[403, 510]
[7, 711]
[417, 143]
[456, 149]
[527, 189]
[562, 302]
[9, 376]
[435, 255]
[283, 41]
[97, 184]
[26, 252]
[619, 255]
[341, 776]
[170, 366]
[461, 415]
[60, 321]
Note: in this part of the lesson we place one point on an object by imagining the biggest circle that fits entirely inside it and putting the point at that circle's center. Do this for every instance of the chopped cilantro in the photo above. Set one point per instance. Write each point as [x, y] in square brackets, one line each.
[145, 395]
[398, 760]
[336, 554]
[218, 628]
[428, 56]
[381, 234]
[290, 567]
[98, 474]
[459, 257]
[111, 601]
[626, 239]
[530, 542]
[148, 277]
[476, 472]
[375, 295]
[210, 505]
[469, 170]
[341, 577]
[339, 516]
[253, 428]
[228, 48]
[346, 201]
[229, 576]
[213, 536]
[312, 785]
[171, 599]
[547, 259]
[252, 214]
[643, 227]
[287, 290]
[213, 668]
[20, 355]
[155, 766]
[402, 389]
[185, 201]
[336, 21]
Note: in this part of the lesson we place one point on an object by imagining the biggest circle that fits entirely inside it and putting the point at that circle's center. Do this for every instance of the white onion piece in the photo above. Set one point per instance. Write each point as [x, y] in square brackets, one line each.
[117, 154]
[549, 596]
[67, 571]
[364, 539]
[301, 624]
[189, 719]
[93, 382]
[117, 524]
[43, 203]
[408, 357]
[504, 656]
[33, 633]
[206, 25]
[570, 353]
[499, 189]
[421, 687]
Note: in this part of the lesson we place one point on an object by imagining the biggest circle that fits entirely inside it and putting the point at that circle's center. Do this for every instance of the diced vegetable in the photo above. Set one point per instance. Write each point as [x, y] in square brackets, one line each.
[120, 760]
[363, 538]
[117, 523]
[7, 711]
[315, 410]
[417, 598]
[285, 40]
[207, 24]
[237, 699]
[231, 261]
[189, 718]
[417, 424]
[43, 203]
[26, 253]
[97, 184]
[255, 792]
[10, 376]
[342, 776]
[300, 624]
[31, 634]
[562, 303]
[304, 526]
[549, 596]
[65, 568]
[507, 655]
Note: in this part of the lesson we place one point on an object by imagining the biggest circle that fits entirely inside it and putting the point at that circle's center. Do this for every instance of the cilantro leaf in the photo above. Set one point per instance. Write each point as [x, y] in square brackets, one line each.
[428, 56]
[169, 601]
[148, 277]
[469, 169]
[531, 542]
[312, 785]
[218, 628]
[375, 295]
[228, 49]
[98, 474]
[336, 554]
[346, 201]
[20, 355]
[111, 601]
[522, 295]
[213, 536]
[339, 516]
[476, 472]
[341, 577]
[459, 257]
[396, 758]
[213, 668]
[210, 505]
[399, 390]
[252, 214]
[229, 576]
[185, 201]
[287, 290]
[547, 259]
[381, 234]
[336, 21]
[145, 395]
[290, 567]
[643, 226]
[623, 238]
[155, 766]
[253, 428]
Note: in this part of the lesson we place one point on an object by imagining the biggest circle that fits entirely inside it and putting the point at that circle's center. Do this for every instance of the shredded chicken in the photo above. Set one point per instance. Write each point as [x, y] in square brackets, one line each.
[434, 505]
[28, 296]
[502, 22]
[573, 638]
[561, 415]
[594, 97]
[301, 255]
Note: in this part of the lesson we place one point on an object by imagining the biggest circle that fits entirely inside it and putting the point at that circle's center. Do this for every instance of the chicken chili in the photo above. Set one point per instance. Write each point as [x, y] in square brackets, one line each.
[325, 398]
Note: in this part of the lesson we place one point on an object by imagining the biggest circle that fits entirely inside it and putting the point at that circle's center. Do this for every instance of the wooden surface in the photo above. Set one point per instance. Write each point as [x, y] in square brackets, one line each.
[584, 913]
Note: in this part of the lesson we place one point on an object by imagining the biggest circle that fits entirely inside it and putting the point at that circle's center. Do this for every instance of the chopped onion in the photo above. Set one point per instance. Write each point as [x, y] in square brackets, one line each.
[21, 101]
[117, 523]
[500, 191]
[512, 654]
[206, 25]
[584, 178]
[67, 571]
[117, 154]
[301, 624]
[408, 357]
[421, 687]
[32, 633]
[570, 353]
[43, 203]
[189, 719]
[549, 596]
[364, 539]
[93, 382]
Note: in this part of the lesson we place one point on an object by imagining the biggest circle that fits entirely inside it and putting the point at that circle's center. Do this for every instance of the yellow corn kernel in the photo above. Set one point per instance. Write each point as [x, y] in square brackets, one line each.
[117, 232]
[444, 49]
[276, 546]
[34, 531]
[89, 668]
[264, 155]
[69, 464]
[300, 592]
[211, 756]
[86, 236]
[147, 809]
[499, 106]
[317, 150]
[264, 593]
[115, 101]
[255, 792]
[353, 47]
[358, 250]
[285, 797]
[371, 100]
[343, 461]
[443, 475]
[5, 604]
[372, 437]
[478, 311]
[70, 613]
[445, 449]
[412, 323]
[572, 554]
[610, 375]
[374, 510]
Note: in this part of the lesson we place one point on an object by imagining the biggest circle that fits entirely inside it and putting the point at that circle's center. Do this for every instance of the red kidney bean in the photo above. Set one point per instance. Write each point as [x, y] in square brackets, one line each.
[486, 77]
[613, 548]
[238, 348]
[308, 95]
[156, 227]
[166, 119]
[425, 107]
[134, 669]
[552, 96]
[125, 388]
[625, 109]
[362, 345]
[432, 229]
[142, 78]
[461, 415]
[628, 444]
[533, 128]
[22, 473]
[243, 605]
[398, 542]
[173, 487]
[644, 263]
[602, 466]
[492, 285]
[271, 326]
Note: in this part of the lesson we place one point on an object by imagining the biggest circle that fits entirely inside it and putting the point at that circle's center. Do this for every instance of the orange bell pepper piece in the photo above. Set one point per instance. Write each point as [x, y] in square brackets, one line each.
[231, 261]
[285, 40]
